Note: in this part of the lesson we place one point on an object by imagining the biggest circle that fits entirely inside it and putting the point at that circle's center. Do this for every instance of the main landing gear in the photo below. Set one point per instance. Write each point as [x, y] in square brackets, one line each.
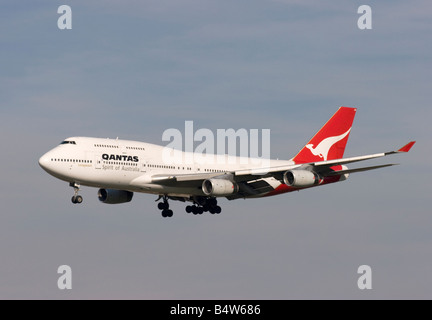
[209, 205]
[164, 206]
[76, 198]
[201, 205]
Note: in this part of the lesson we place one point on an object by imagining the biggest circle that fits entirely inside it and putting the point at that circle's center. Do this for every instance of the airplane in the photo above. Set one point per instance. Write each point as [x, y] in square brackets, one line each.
[120, 168]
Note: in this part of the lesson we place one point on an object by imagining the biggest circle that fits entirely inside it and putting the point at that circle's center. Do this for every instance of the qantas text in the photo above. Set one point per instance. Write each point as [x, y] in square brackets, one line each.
[118, 157]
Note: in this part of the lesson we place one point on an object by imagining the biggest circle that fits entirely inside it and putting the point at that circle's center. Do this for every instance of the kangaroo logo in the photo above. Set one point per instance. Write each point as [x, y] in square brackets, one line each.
[323, 148]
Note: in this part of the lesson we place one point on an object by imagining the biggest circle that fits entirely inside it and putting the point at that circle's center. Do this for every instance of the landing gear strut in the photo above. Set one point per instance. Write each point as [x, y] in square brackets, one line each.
[164, 206]
[76, 198]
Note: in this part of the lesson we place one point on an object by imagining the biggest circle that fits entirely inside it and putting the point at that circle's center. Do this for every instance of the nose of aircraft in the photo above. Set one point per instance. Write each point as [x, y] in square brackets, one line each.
[44, 161]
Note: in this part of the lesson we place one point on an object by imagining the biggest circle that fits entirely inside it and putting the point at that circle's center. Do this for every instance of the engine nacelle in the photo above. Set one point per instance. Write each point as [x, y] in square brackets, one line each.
[113, 196]
[219, 187]
[300, 178]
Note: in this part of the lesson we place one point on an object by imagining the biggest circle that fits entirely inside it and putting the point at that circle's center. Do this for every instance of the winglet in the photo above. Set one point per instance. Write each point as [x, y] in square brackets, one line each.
[407, 147]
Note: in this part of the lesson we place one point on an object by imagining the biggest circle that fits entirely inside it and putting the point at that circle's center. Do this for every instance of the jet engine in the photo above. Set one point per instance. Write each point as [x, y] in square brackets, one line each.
[300, 178]
[113, 196]
[219, 187]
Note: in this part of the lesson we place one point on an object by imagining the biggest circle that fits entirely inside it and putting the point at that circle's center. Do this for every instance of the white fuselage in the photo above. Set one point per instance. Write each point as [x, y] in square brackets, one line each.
[132, 165]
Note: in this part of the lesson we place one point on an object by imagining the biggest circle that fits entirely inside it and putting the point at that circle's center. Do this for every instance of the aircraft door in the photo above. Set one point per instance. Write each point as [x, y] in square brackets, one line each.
[97, 161]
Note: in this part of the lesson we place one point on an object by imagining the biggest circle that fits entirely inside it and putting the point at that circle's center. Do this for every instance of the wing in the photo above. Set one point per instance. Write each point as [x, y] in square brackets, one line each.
[255, 182]
[324, 166]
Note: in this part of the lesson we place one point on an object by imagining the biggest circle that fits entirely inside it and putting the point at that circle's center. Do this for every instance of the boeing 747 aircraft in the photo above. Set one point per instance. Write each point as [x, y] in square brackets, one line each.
[119, 168]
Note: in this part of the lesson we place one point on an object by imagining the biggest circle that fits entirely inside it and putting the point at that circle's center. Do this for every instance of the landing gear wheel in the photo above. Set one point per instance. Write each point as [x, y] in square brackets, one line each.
[189, 209]
[212, 202]
[163, 205]
[77, 199]
[197, 210]
[166, 213]
[217, 209]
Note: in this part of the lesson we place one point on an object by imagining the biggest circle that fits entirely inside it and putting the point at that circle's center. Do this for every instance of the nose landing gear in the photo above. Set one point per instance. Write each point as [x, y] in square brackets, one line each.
[76, 198]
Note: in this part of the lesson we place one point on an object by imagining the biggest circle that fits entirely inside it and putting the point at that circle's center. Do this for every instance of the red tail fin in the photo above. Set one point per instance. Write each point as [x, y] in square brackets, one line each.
[329, 143]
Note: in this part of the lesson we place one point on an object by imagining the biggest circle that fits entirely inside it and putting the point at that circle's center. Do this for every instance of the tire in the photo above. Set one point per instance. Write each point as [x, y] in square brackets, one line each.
[188, 209]
[218, 209]
[212, 202]
[162, 206]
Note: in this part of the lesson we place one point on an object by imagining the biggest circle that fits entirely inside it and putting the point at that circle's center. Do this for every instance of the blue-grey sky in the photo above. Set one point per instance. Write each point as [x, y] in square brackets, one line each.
[133, 69]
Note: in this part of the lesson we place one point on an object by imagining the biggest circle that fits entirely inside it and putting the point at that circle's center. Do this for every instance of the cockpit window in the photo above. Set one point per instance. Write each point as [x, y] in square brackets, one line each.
[68, 142]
